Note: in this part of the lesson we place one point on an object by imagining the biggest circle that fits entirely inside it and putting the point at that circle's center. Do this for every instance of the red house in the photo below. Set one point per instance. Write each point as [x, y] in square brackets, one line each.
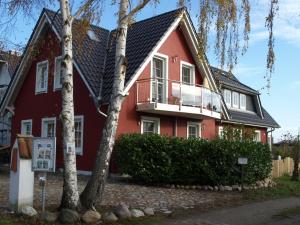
[169, 89]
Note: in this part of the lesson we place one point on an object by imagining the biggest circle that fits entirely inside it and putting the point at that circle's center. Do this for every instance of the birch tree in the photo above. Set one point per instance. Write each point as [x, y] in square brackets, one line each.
[95, 186]
[70, 197]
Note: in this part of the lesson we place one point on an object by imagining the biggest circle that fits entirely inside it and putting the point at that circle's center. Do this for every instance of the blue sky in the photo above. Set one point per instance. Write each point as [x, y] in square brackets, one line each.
[283, 100]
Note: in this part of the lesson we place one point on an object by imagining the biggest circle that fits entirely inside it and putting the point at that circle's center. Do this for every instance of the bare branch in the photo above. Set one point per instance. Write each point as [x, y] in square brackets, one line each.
[136, 9]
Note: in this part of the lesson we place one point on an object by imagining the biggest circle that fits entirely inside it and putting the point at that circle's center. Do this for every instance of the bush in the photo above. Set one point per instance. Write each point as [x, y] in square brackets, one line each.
[160, 159]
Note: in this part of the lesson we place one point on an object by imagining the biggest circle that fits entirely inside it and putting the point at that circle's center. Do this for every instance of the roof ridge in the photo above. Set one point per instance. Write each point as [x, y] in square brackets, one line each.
[162, 14]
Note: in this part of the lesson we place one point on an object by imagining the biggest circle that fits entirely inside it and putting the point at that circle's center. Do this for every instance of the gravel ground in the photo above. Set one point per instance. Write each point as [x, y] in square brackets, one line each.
[139, 196]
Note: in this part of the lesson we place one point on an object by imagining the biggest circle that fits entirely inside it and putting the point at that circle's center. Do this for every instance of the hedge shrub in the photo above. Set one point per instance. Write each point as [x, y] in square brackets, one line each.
[159, 159]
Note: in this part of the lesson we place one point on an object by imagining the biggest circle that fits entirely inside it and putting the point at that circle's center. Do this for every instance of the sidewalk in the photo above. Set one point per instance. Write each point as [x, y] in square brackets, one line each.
[260, 213]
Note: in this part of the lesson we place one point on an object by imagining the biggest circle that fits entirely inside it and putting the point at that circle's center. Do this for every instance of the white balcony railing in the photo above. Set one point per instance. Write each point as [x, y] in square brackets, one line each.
[172, 92]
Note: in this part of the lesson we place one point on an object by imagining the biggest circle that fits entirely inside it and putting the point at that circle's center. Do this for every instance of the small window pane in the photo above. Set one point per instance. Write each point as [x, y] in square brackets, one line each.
[158, 68]
[186, 75]
[58, 73]
[78, 134]
[243, 101]
[149, 127]
[235, 100]
[227, 97]
[42, 77]
[193, 131]
[26, 128]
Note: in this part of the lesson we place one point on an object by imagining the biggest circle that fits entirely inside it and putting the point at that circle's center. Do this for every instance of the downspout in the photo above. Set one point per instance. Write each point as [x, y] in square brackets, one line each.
[271, 138]
[98, 106]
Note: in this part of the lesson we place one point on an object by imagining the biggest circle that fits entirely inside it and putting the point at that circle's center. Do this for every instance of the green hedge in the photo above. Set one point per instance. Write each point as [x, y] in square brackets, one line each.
[159, 159]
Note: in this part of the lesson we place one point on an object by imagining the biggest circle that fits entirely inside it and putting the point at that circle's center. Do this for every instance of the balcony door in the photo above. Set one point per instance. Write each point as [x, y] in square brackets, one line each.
[159, 81]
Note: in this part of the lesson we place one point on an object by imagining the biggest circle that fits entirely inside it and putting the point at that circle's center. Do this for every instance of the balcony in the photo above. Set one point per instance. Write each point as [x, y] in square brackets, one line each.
[175, 98]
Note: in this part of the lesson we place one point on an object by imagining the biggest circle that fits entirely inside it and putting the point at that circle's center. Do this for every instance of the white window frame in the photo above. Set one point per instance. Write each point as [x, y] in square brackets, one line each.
[38, 90]
[230, 97]
[259, 135]
[234, 93]
[165, 58]
[243, 106]
[191, 67]
[56, 85]
[47, 119]
[193, 124]
[23, 127]
[79, 150]
[221, 132]
[150, 119]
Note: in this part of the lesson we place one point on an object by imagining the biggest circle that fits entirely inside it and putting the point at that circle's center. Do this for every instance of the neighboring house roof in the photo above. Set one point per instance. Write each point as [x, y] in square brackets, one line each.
[228, 79]
[12, 59]
[260, 117]
[253, 118]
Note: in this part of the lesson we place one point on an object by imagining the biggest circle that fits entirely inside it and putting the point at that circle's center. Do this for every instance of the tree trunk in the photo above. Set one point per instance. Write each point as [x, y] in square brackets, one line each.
[95, 187]
[70, 197]
[296, 152]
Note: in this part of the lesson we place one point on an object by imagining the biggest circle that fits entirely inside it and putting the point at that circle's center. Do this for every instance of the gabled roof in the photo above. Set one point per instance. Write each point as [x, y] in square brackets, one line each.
[142, 37]
[228, 79]
[89, 55]
[11, 59]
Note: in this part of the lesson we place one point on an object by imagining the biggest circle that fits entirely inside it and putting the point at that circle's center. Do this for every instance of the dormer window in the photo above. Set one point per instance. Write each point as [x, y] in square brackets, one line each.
[187, 73]
[227, 97]
[92, 35]
[242, 101]
[41, 82]
[235, 100]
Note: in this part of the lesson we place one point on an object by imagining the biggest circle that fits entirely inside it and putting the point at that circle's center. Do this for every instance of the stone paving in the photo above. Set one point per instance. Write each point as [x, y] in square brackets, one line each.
[139, 196]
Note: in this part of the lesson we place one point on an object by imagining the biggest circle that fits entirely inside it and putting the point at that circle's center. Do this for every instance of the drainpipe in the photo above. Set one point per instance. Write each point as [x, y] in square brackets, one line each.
[175, 127]
[271, 137]
[97, 103]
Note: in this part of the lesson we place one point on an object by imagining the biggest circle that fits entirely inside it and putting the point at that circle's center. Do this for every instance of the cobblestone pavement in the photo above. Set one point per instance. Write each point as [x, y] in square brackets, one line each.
[139, 196]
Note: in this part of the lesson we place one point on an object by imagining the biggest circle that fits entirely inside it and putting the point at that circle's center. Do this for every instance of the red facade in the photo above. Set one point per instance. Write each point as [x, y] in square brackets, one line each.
[29, 105]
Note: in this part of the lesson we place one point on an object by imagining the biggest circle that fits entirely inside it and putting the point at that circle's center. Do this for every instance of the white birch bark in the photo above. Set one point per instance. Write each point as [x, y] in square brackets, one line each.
[70, 197]
[95, 187]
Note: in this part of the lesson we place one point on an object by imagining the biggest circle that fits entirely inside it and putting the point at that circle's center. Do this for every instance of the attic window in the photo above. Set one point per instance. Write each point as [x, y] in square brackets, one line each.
[92, 35]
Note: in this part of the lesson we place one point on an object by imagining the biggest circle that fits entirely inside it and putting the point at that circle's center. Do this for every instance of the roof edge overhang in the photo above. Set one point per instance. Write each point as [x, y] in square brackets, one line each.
[238, 122]
[14, 86]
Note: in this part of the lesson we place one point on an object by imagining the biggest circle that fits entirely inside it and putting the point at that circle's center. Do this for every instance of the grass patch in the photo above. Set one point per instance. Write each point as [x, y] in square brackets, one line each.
[288, 213]
[285, 188]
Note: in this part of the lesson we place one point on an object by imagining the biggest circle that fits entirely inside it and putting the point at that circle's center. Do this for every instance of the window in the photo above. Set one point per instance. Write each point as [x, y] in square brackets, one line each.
[58, 73]
[235, 99]
[78, 124]
[41, 82]
[26, 127]
[221, 132]
[159, 78]
[150, 125]
[193, 130]
[242, 101]
[227, 97]
[187, 73]
[257, 136]
[91, 34]
[49, 127]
